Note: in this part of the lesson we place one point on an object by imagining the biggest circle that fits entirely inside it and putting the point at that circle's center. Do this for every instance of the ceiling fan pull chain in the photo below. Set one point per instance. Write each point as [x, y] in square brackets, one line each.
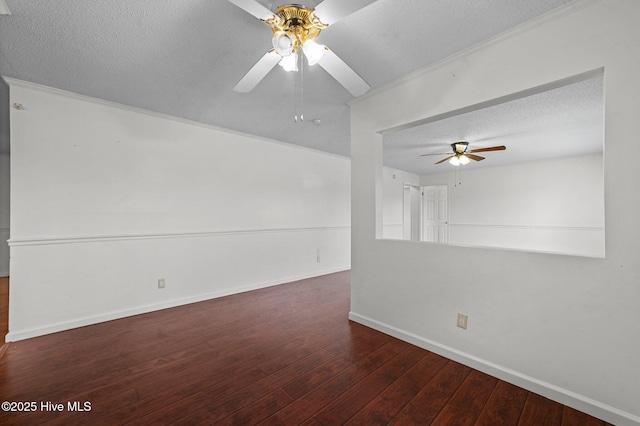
[457, 178]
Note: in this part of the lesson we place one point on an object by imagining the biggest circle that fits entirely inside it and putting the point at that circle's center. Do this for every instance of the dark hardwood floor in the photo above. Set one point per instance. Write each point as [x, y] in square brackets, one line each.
[283, 355]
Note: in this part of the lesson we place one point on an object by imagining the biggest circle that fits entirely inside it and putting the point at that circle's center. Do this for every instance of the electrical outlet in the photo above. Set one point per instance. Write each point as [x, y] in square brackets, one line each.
[318, 256]
[161, 283]
[462, 321]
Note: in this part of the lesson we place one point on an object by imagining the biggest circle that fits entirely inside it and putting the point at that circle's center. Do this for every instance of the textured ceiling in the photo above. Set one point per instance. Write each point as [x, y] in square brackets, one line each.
[560, 122]
[183, 58]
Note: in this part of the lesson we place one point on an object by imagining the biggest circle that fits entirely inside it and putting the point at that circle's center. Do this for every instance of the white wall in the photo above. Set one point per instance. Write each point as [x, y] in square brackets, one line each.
[553, 206]
[107, 199]
[4, 178]
[563, 326]
[393, 195]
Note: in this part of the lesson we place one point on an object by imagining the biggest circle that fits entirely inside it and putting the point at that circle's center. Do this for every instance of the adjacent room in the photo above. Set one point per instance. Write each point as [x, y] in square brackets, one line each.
[335, 212]
[532, 177]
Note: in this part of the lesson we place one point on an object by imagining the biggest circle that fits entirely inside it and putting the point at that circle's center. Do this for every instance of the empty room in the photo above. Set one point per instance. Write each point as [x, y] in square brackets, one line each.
[335, 212]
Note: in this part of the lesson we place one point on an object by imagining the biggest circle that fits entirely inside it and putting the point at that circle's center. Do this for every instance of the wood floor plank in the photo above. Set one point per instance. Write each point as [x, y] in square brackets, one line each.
[504, 406]
[353, 400]
[426, 405]
[285, 354]
[317, 398]
[358, 339]
[325, 371]
[259, 410]
[540, 411]
[465, 405]
[572, 417]
[386, 406]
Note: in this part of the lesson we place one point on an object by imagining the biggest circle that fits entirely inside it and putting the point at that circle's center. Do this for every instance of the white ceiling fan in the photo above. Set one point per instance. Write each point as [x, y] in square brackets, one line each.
[295, 28]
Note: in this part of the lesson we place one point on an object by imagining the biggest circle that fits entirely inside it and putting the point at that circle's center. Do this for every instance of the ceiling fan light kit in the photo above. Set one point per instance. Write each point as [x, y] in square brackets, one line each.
[313, 51]
[289, 62]
[295, 27]
[282, 43]
[459, 160]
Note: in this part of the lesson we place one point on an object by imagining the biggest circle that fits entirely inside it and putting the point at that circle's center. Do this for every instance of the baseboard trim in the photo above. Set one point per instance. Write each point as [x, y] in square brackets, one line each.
[563, 396]
[14, 336]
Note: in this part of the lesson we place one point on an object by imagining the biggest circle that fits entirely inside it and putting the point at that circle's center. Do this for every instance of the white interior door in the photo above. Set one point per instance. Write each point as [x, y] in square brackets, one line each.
[435, 214]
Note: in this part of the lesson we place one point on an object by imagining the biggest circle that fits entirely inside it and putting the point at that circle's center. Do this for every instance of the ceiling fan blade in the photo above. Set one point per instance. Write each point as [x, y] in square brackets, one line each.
[446, 159]
[474, 157]
[436, 153]
[4, 10]
[254, 8]
[343, 73]
[331, 11]
[491, 148]
[257, 73]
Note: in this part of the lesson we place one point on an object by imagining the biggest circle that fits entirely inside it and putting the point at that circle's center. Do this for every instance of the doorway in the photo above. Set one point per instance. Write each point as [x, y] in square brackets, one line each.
[411, 212]
[435, 214]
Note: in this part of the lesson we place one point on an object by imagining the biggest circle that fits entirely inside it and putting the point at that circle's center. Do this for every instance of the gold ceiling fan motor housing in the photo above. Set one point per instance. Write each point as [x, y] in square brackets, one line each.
[297, 23]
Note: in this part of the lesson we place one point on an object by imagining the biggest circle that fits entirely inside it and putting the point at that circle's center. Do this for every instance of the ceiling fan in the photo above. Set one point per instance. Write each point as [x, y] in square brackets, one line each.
[461, 153]
[295, 27]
